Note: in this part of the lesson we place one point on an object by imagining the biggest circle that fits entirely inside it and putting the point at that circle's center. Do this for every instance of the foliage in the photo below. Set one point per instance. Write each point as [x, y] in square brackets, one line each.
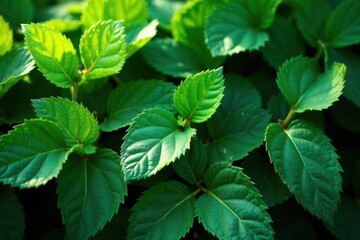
[160, 119]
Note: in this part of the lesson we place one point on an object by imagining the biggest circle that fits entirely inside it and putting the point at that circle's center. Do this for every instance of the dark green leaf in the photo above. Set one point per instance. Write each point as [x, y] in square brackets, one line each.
[12, 219]
[165, 211]
[164, 10]
[303, 86]
[13, 66]
[53, 53]
[232, 207]
[32, 154]
[130, 99]
[17, 12]
[78, 125]
[198, 97]
[191, 166]
[103, 49]
[153, 141]
[343, 26]
[90, 190]
[306, 161]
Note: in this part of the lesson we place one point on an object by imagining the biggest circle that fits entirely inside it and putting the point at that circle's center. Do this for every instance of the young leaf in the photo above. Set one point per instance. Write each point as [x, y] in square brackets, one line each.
[306, 161]
[130, 99]
[138, 35]
[131, 11]
[305, 88]
[165, 211]
[343, 26]
[172, 58]
[90, 190]
[198, 97]
[6, 38]
[12, 216]
[53, 53]
[13, 66]
[103, 49]
[191, 166]
[239, 26]
[153, 141]
[78, 125]
[32, 154]
[232, 207]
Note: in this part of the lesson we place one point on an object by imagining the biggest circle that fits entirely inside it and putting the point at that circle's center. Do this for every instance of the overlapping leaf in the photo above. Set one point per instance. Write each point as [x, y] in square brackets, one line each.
[303, 86]
[198, 97]
[53, 53]
[165, 211]
[343, 26]
[153, 141]
[130, 99]
[103, 49]
[13, 66]
[78, 125]
[6, 38]
[239, 26]
[232, 207]
[32, 154]
[306, 161]
[90, 190]
[164, 10]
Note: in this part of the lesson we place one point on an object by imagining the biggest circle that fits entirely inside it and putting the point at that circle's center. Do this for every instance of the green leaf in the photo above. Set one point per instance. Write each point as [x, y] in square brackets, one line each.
[13, 66]
[192, 165]
[63, 25]
[306, 161]
[32, 154]
[131, 11]
[103, 49]
[6, 38]
[164, 10]
[343, 26]
[305, 88]
[24, 10]
[198, 97]
[165, 211]
[285, 42]
[171, 58]
[130, 99]
[232, 207]
[12, 219]
[78, 125]
[311, 27]
[138, 35]
[239, 26]
[90, 190]
[153, 141]
[53, 53]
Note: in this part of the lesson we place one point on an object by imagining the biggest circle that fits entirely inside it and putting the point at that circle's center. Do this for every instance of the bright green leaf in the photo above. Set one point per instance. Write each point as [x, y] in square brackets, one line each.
[303, 86]
[32, 154]
[12, 219]
[13, 66]
[78, 125]
[90, 191]
[239, 26]
[306, 161]
[131, 11]
[311, 27]
[138, 35]
[163, 10]
[191, 166]
[198, 97]
[153, 141]
[130, 99]
[232, 207]
[53, 53]
[103, 49]
[63, 25]
[172, 58]
[6, 37]
[165, 211]
[343, 26]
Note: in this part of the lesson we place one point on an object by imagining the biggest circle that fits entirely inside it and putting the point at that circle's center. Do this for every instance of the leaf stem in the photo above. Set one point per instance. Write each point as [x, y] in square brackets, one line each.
[74, 91]
[288, 118]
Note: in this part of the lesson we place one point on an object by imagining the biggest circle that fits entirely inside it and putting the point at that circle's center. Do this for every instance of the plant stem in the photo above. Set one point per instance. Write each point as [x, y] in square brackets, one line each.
[74, 91]
[319, 53]
[288, 118]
